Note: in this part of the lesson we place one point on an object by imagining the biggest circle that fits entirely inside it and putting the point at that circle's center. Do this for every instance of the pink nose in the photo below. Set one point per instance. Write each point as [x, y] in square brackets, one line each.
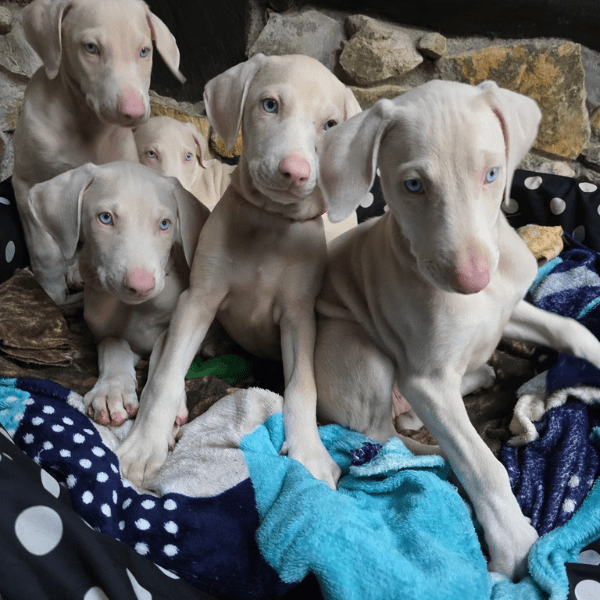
[296, 168]
[140, 281]
[131, 105]
[472, 277]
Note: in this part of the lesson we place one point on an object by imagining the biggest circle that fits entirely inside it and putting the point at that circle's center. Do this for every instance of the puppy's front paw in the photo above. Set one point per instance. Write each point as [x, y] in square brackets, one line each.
[111, 401]
[317, 460]
[142, 454]
[510, 556]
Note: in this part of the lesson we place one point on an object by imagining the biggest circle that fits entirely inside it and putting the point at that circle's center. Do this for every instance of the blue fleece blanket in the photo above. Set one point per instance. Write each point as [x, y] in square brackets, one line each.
[569, 285]
[553, 473]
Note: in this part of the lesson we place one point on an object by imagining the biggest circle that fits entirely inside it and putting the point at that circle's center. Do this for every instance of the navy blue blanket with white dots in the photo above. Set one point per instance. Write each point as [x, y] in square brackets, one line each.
[554, 472]
[13, 252]
[551, 200]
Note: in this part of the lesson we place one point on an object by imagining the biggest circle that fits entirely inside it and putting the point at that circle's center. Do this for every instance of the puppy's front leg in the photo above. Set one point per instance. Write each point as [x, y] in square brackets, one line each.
[113, 399]
[508, 534]
[146, 447]
[298, 334]
[531, 324]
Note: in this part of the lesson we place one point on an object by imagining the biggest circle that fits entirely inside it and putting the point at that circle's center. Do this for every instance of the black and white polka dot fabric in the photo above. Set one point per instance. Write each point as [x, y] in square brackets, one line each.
[49, 553]
[584, 583]
[13, 252]
[551, 200]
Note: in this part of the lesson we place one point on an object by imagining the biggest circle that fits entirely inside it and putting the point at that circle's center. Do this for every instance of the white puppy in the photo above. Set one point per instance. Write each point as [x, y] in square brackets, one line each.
[178, 149]
[137, 232]
[260, 257]
[422, 295]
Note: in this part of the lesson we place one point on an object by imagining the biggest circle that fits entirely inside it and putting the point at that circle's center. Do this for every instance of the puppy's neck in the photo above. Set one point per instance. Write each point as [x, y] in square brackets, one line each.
[304, 209]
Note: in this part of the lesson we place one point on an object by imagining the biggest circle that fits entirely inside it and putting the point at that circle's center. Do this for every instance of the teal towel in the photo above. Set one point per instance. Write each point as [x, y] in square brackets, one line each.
[395, 528]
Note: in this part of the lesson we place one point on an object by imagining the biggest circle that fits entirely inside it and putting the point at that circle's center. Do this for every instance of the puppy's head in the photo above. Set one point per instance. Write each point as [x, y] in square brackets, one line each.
[126, 220]
[104, 50]
[284, 105]
[173, 148]
[446, 152]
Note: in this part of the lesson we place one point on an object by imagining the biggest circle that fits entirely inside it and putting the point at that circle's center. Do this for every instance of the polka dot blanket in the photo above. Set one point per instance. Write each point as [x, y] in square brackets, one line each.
[13, 252]
[229, 516]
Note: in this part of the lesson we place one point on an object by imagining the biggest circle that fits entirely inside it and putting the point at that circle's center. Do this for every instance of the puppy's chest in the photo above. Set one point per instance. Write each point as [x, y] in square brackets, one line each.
[450, 329]
[267, 276]
[138, 324]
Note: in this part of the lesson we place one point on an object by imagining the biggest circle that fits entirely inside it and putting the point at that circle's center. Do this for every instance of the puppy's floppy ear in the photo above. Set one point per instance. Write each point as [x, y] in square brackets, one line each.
[165, 44]
[56, 206]
[42, 20]
[348, 159]
[191, 216]
[225, 96]
[519, 118]
[201, 147]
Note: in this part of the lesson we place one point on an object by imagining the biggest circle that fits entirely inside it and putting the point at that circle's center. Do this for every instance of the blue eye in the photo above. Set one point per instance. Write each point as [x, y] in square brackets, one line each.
[105, 218]
[270, 105]
[91, 48]
[164, 225]
[151, 154]
[329, 124]
[492, 174]
[414, 186]
[144, 52]
[189, 156]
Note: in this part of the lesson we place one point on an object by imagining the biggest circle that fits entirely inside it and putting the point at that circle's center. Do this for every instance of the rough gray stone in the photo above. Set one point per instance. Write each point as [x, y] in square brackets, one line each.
[7, 155]
[369, 27]
[16, 55]
[377, 52]
[11, 99]
[433, 45]
[541, 164]
[308, 32]
[367, 96]
[592, 155]
[5, 20]
[591, 66]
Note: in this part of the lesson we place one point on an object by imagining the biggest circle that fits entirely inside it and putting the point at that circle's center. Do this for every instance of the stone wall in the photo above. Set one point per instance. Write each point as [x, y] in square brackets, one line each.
[379, 58]
[18, 62]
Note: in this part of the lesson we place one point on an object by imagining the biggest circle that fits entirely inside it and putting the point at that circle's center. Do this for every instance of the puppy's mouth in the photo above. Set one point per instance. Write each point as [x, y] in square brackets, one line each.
[284, 193]
[132, 297]
[111, 116]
